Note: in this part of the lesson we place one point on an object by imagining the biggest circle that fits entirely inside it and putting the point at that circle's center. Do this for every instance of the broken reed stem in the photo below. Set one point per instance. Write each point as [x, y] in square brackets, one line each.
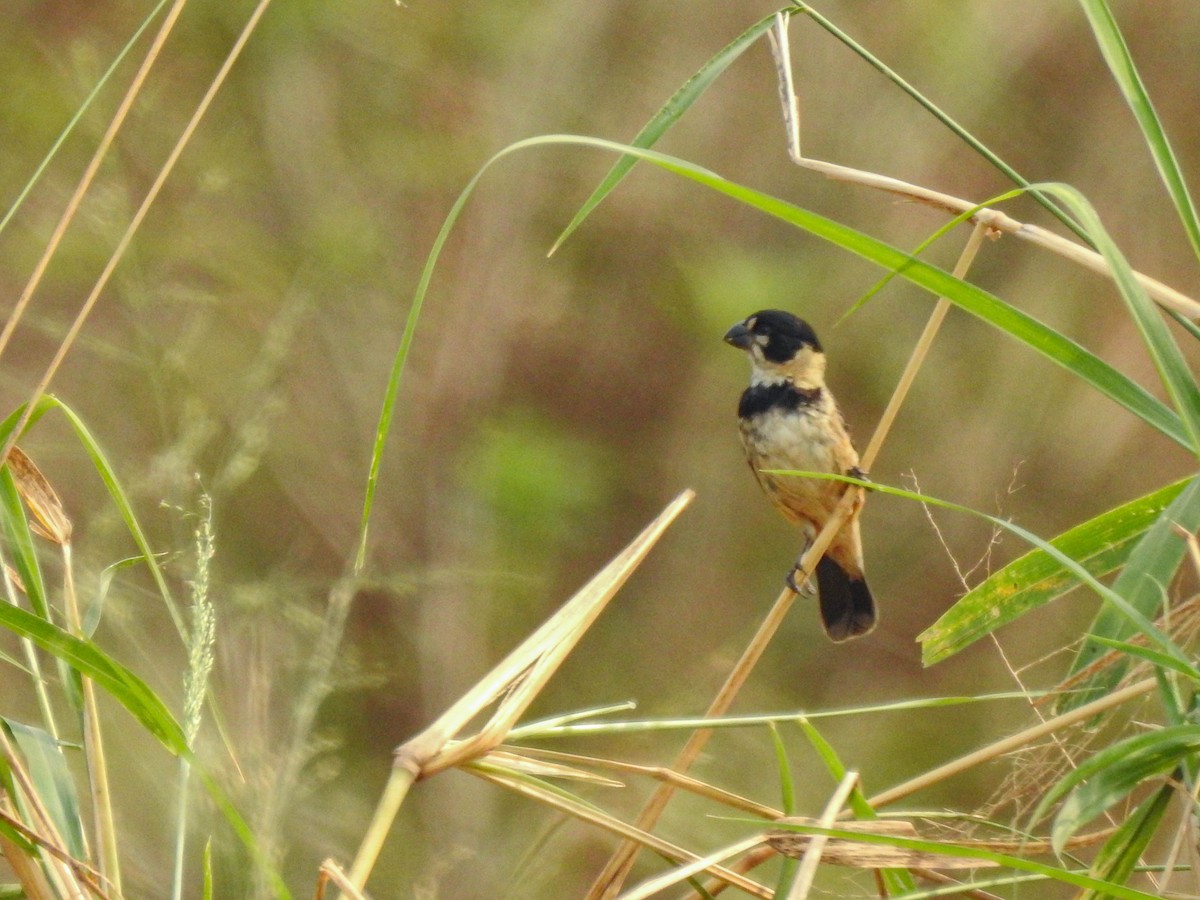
[127, 238]
[610, 879]
[1164, 295]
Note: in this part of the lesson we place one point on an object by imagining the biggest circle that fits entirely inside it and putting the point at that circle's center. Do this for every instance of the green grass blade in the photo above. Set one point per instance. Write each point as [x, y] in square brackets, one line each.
[125, 687]
[1173, 370]
[1027, 330]
[1153, 657]
[1100, 545]
[898, 881]
[679, 103]
[787, 796]
[1109, 776]
[1122, 852]
[1150, 568]
[933, 109]
[52, 781]
[109, 477]
[1120, 63]
[243, 832]
[787, 786]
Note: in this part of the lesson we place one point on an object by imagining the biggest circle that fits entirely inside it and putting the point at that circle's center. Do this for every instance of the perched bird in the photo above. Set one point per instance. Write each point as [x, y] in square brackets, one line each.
[789, 420]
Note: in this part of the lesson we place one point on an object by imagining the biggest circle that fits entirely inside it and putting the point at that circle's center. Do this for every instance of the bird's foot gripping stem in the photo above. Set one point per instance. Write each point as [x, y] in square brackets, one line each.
[856, 472]
[801, 586]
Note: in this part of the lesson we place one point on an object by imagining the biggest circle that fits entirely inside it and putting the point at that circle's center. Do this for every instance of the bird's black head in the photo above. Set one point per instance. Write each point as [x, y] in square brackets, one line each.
[780, 335]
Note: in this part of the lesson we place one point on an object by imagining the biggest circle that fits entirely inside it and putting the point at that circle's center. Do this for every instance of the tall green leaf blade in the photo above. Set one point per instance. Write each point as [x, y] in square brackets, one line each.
[1051, 344]
[1100, 545]
[1173, 369]
[1143, 582]
[1122, 852]
[52, 780]
[1120, 63]
[1109, 776]
[679, 103]
[125, 687]
[975, 300]
[108, 476]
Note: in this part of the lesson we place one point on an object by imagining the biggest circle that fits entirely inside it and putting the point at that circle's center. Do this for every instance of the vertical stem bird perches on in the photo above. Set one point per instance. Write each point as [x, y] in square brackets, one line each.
[609, 882]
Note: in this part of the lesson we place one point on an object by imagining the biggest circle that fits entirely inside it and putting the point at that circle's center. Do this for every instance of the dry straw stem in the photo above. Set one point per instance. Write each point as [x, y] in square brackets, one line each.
[331, 871]
[608, 882]
[24, 867]
[89, 174]
[662, 773]
[515, 682]
[1007, 745]
[127, 238]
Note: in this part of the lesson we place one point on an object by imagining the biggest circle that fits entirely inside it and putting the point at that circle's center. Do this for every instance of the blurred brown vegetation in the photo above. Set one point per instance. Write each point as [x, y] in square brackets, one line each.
[552, 406]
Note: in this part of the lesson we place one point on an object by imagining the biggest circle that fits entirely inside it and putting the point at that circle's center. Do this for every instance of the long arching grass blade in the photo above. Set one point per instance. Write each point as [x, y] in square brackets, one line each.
[108, 475]
[1051, 344]
[1116, 53]
[125, 687]
[681, 101]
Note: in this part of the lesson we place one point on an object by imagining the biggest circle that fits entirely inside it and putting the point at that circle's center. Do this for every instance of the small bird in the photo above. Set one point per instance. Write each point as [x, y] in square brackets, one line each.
[789, 420]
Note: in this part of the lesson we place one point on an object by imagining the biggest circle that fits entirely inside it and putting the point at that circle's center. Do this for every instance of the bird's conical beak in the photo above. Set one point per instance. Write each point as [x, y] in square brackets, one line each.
[739, 336]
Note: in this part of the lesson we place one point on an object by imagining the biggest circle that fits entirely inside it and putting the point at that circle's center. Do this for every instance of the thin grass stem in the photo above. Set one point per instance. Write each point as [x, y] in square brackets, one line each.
[118, 253]
[93, 744]
[85, 182]
[608, 882]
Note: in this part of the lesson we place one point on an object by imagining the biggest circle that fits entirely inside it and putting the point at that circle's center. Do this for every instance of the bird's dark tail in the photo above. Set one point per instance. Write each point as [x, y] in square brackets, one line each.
[847, 607]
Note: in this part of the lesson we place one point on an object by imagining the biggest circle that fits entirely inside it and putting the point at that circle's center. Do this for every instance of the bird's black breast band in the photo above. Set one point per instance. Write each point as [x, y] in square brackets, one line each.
[783, 396]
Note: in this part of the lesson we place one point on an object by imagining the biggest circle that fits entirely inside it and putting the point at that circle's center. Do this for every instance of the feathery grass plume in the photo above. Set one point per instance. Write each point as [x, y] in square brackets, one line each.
[201, 641]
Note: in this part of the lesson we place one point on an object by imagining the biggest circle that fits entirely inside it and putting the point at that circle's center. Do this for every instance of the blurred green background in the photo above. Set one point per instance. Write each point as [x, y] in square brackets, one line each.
[552, 406]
